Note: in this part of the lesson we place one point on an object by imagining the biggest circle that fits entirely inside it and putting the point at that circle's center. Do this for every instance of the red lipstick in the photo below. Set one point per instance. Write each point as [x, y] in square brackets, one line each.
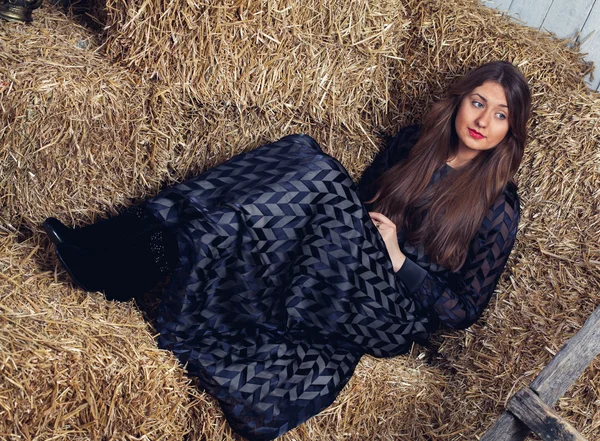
[475, 134]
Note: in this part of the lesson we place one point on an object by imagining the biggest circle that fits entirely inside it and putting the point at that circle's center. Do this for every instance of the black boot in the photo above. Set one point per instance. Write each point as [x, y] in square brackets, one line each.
[124, 256]
[58, 232]
[80, 265]
[104, 233]
[140, 264]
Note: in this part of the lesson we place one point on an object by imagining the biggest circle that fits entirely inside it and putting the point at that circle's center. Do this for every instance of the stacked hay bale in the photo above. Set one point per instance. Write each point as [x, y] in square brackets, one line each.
[249, 72]
[79, 135]
[75, 140]
[178, 86]
[78, 367]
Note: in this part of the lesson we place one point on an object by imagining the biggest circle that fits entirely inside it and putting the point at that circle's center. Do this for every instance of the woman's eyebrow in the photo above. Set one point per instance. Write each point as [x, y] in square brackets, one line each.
[484, 99]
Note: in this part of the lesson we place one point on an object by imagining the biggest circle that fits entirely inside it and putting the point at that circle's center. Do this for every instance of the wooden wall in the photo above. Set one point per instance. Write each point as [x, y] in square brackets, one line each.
[576, 19]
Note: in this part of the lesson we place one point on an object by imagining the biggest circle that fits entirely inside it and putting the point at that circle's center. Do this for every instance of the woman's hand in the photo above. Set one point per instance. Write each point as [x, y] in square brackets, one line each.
[387, 229]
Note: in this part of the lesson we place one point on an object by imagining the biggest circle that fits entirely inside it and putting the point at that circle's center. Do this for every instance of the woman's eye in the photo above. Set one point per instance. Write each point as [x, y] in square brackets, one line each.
[477, 104]
[501, 116]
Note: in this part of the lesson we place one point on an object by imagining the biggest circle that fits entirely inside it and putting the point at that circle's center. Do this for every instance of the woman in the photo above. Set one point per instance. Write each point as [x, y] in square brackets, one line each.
[281, 278]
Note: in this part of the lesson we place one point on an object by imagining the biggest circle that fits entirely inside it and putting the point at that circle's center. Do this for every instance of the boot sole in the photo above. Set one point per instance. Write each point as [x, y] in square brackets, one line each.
[52, 232]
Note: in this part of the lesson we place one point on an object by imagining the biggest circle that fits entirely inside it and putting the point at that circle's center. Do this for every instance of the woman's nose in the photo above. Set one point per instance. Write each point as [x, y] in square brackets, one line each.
[483, 119]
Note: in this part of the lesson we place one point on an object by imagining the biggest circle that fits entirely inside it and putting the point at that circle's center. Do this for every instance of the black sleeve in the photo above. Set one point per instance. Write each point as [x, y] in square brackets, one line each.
[397, 149]
[458, 300]
[411, 275]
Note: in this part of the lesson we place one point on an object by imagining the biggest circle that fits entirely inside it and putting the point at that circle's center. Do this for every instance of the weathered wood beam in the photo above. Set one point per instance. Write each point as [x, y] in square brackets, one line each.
[570, 362]
[554, 380]
[540, 418]
[506, 428]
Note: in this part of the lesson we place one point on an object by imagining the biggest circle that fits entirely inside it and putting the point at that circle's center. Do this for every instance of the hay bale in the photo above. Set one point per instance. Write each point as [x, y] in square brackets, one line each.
[326, 61]
[249, 73]
[79, 135]
[75, 366]
[191, 101]
[192, 83]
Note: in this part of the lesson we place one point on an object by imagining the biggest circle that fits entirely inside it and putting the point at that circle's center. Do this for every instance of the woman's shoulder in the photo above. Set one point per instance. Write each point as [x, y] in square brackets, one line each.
[507, 204]
[395, 150]
[510, 195]
[502, 217]
[405, 139]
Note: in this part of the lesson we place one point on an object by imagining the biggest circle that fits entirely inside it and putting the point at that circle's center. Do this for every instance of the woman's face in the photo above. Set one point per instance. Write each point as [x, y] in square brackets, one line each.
[482, 120]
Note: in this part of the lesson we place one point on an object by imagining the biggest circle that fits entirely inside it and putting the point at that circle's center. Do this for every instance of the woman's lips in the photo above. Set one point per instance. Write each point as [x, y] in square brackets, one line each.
[475, 134]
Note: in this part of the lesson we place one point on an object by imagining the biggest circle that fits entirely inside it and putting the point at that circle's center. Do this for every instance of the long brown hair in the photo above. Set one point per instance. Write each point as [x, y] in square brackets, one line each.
[446, 216]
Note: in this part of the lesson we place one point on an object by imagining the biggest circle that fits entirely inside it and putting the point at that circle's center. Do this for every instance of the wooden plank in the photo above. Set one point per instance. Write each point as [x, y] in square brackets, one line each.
[570, 362]
[541, 419]
[506, 428]
[531, 12]
[590, 36]
[566, 366]
[566, 18]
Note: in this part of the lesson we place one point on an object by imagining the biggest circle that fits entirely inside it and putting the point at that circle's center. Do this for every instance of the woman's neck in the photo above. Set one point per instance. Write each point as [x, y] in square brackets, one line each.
[457, 162]
[463, 156]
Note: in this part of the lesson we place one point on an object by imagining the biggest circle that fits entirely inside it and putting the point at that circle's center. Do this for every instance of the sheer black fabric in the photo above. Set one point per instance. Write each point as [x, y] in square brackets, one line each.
[283, 284]
[452, 299]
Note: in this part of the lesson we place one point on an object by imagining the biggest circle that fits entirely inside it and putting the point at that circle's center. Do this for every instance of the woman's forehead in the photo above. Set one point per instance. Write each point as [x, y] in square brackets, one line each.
[492, 93]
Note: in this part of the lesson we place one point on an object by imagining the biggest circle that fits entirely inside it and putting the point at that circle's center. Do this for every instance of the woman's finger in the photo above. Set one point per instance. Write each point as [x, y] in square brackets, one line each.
[376, 222]
[381, 218]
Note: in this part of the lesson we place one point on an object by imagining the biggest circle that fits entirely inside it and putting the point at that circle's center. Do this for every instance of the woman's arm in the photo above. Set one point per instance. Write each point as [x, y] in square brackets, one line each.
[459, 300]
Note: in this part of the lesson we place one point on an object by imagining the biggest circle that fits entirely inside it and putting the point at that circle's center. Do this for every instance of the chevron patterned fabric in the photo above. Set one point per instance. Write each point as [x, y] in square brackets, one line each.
[283, 284]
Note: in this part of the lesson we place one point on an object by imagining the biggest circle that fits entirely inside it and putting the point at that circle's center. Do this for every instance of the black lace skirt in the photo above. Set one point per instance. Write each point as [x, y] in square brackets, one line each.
[283, 284]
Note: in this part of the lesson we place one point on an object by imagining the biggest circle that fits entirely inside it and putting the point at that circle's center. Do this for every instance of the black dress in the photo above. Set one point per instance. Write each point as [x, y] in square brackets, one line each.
[284, 282]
